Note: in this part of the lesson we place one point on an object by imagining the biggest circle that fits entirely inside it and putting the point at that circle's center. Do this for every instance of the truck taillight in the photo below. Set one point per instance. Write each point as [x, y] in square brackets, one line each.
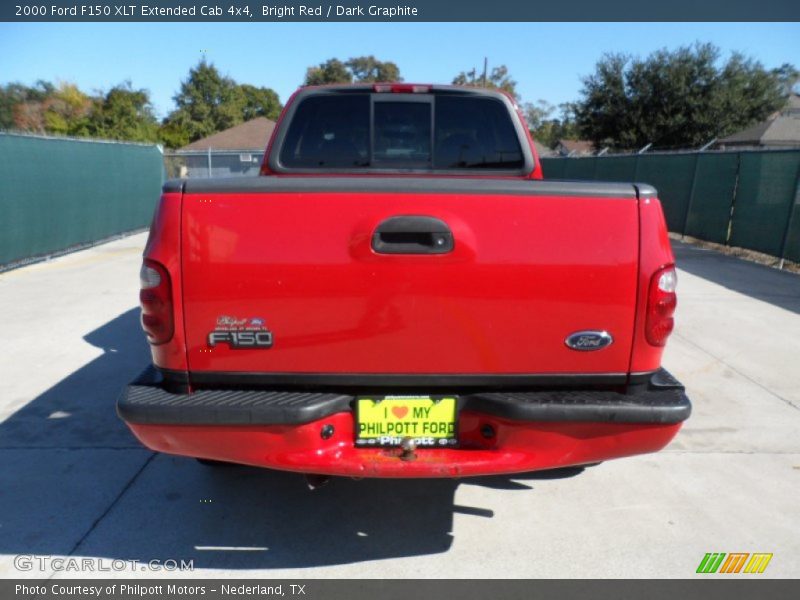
[155, 298]
[661, 302]
[401, 88]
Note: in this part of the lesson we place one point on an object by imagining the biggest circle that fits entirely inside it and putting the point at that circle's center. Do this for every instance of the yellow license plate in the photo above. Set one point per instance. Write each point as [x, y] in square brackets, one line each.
[429, 421]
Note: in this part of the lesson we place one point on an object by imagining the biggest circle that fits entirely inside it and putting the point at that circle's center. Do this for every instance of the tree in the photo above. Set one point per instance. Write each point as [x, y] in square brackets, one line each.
[206, 103]
[361, 69]
[209, 102]
[44, 108]
[331, 71]
[370, 69]
[677, 98]
[604, 109]
[259, 102]
[497, 79]
[789, 78]
[66, 111]
[123, 113]
[546, 128]
[13, 95]
[175, 131]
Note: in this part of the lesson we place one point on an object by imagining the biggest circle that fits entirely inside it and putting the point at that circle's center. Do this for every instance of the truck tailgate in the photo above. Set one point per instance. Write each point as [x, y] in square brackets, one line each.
[532, 262]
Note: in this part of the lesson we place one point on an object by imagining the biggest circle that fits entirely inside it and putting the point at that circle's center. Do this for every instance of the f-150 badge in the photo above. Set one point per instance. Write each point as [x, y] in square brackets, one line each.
[586, 341]
[250, 332]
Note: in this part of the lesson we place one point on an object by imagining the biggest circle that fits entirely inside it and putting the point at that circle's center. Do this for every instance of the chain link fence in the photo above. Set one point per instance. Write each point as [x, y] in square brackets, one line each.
[748, 199]
[212, 163]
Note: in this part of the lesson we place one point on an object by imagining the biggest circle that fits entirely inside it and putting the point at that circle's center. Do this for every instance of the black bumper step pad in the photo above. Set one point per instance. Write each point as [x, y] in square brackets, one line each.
[661, 401]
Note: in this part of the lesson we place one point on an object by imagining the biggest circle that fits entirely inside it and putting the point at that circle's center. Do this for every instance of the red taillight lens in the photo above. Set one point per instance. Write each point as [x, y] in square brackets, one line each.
[401, 88]
[156, 300]
[661, 303]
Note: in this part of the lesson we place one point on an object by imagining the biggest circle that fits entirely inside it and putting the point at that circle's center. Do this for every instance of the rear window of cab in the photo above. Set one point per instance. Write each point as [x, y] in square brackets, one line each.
[393, 131]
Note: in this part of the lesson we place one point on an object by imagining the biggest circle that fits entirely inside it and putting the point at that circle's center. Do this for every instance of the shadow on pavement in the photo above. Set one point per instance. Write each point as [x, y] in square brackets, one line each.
[247, 518]
[780, 288]
[74, 481]
[79, 411]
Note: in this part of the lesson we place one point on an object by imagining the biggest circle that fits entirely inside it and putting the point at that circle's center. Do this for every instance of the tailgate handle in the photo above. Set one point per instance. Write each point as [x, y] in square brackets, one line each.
[409, 234]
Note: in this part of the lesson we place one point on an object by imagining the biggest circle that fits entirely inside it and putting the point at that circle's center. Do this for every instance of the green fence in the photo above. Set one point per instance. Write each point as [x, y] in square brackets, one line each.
[748, 199]
[59, 193]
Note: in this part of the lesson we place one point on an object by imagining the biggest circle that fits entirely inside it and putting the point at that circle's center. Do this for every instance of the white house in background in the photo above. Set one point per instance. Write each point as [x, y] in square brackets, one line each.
[575, 148]
[542, 150]
[780, 130]
[234, 152]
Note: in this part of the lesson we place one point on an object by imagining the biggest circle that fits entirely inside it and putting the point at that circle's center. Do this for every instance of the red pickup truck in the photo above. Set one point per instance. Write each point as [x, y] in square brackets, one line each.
[401, 294]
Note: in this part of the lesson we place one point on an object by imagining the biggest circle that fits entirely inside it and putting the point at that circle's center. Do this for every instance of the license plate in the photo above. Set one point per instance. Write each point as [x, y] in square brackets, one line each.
[429, 421]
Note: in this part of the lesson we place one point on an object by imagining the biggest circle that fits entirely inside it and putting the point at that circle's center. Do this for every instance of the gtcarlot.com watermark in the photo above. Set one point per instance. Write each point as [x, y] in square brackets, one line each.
[44, 562]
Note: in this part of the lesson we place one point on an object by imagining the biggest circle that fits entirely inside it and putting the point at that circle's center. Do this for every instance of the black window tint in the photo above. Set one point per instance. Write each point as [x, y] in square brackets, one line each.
[402, 134]
[474, 133]
[364, 130]
[328, 131]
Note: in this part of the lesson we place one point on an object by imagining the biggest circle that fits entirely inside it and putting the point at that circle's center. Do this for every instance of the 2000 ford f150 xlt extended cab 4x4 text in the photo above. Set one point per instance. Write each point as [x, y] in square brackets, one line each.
[401, 294]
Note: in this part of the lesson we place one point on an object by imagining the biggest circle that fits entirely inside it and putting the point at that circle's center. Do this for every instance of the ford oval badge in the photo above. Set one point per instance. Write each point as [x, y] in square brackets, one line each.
[586, 341]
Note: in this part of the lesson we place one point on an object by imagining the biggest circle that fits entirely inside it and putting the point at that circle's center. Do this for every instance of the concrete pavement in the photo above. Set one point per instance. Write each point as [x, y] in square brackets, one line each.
[74, 482]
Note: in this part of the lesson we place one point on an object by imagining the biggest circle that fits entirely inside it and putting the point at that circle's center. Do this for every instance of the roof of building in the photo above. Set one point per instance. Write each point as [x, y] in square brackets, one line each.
[793, 103]
[251, 136]
[576, 146]
[781, 131]
[542, 150]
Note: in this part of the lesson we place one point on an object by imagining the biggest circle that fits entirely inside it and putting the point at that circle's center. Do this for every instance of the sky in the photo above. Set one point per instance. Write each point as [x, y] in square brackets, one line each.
[546, 59]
